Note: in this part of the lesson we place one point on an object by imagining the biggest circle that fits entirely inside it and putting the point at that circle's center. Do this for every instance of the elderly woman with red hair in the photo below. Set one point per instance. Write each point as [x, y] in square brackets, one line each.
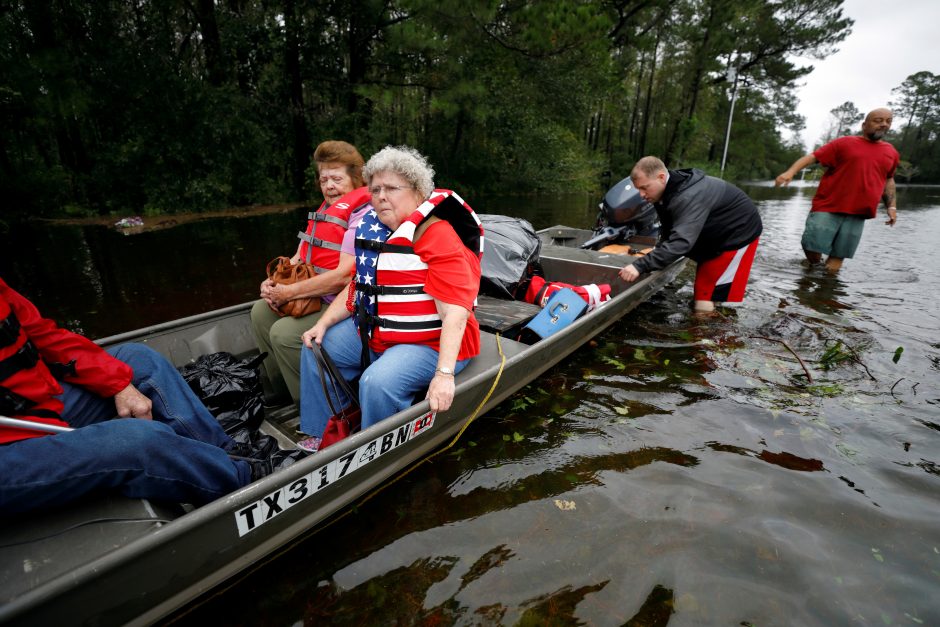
[327, 244]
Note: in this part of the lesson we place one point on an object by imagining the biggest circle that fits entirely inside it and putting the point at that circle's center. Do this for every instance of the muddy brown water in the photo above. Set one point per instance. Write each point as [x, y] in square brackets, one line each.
[679, 471]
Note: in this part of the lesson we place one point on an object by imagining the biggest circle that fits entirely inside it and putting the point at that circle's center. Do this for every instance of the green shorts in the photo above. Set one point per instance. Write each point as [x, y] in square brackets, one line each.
[833, 234]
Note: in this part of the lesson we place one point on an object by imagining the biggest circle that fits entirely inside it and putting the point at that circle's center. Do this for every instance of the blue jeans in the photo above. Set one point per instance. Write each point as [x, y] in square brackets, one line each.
[387, 386]
[178, 456]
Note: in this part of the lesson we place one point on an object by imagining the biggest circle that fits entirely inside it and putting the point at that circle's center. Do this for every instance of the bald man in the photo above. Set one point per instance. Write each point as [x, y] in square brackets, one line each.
[859, 170]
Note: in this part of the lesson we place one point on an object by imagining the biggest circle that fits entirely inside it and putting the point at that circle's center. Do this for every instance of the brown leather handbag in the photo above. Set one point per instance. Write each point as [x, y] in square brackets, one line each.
[283, 272]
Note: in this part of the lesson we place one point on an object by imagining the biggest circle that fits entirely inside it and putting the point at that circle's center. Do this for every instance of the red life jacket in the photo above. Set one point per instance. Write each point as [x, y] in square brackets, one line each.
[404, 312]
[540, 291]
[322, 241]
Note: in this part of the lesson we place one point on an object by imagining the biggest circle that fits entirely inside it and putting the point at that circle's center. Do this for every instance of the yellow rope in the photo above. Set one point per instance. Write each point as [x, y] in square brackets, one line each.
[473, 416]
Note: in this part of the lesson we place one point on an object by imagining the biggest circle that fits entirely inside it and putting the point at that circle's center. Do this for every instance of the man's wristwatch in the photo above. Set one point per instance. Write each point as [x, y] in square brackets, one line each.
[447, 372]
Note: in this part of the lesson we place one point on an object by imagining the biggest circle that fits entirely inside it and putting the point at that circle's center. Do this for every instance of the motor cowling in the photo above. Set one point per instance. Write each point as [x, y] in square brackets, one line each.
[623, 205]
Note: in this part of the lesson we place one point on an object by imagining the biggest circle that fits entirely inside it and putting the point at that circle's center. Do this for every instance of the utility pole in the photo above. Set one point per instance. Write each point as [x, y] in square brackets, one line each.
[733, 78]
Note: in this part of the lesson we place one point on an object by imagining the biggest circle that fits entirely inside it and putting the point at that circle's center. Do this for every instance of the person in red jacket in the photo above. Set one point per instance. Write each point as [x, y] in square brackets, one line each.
[168, 447]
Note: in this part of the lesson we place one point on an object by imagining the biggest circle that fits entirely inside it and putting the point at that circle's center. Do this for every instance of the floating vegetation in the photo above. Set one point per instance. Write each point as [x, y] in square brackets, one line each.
[809, 377]
[834, 355]
[840, 352]
[520, 403]
[830, 389]
[897, 354]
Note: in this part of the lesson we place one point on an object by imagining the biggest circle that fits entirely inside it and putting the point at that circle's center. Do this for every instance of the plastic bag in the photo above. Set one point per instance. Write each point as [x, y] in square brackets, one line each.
[510, 256]
[230, 388]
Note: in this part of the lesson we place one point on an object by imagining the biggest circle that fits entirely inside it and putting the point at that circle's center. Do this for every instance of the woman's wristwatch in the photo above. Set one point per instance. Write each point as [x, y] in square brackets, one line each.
[447, 372]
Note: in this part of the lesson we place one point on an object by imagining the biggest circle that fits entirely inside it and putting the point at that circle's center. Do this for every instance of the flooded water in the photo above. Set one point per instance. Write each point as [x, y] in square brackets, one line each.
[776, 465]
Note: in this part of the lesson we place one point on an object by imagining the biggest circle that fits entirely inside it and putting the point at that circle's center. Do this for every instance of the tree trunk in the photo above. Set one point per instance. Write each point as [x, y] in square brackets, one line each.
[647, 106]
[301, 144]
[211, 42]
[680, 134]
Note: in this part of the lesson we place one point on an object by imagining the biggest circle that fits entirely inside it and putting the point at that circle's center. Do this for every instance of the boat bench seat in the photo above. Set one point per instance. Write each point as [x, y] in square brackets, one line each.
[506, 317]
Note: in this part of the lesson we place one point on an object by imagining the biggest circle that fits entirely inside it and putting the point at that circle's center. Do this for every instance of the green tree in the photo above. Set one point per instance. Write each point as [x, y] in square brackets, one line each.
[843, 120]
[196, 104]
[917, 105]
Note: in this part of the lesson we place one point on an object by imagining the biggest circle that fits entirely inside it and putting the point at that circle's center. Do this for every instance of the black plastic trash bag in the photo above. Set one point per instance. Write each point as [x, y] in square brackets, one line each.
[510, 256]
[230, 388]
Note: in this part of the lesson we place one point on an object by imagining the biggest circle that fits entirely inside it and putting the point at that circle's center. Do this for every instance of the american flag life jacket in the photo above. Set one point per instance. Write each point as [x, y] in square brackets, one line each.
[321, 243]
[391, 303]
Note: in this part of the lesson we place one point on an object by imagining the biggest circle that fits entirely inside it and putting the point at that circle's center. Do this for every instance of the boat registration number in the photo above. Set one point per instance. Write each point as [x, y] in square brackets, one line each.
[252, 516]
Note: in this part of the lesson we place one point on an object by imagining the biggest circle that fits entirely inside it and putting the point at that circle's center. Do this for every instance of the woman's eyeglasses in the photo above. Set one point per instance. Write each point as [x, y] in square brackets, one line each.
[388, 189]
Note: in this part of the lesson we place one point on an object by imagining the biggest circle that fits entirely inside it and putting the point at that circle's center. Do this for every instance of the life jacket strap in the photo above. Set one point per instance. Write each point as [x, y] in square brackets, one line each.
[382, 247]
[23, 359]
[319, 216]
[13, 404]
[403, 325]
[9, 329]
[389, 290]
[60, 370]
[316, 241]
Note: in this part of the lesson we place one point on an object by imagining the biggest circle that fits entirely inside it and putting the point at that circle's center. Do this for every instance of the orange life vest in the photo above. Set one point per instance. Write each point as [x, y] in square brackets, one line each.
[322, 241]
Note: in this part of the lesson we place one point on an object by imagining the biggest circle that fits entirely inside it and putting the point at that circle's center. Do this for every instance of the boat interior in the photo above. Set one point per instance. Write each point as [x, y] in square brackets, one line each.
[39, 546]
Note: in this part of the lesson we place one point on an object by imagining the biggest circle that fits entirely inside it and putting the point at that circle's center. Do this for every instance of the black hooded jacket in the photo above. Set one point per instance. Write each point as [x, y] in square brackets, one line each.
[701, 217]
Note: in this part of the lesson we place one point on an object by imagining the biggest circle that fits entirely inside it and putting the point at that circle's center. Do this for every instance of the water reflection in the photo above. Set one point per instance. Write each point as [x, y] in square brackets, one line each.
[821, 290]
[100, 281]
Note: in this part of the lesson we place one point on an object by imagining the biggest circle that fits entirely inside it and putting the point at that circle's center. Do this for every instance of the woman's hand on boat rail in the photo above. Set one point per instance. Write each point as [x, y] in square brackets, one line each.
[441, 392]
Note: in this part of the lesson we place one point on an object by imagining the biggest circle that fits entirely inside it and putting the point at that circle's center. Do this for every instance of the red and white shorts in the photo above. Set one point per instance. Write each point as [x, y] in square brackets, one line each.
[724, 278]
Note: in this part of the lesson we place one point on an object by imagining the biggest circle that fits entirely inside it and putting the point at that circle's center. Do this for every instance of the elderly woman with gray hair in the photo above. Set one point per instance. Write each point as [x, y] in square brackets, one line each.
[406, 322]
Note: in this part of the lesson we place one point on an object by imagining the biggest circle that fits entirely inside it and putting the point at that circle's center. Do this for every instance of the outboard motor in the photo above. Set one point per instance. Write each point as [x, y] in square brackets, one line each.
[622, 214]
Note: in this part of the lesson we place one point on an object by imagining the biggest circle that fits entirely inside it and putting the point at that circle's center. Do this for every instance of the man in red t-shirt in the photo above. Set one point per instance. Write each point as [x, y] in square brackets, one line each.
[859, 171]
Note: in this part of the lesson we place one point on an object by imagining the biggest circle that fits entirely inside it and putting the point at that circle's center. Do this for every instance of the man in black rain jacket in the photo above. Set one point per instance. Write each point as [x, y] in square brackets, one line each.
[705, 219]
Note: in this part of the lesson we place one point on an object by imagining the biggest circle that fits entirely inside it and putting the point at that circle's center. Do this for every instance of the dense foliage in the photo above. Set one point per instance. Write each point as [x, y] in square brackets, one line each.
[170, 105]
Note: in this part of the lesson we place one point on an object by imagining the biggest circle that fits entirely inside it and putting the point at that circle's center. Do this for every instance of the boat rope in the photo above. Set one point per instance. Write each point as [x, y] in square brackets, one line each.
[414, 466]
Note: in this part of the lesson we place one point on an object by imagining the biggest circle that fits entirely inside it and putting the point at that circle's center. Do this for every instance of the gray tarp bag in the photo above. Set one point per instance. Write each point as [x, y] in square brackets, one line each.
[510, 256]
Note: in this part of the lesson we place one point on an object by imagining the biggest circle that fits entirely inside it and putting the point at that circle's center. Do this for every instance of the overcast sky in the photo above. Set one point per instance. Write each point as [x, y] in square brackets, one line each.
[889, 42]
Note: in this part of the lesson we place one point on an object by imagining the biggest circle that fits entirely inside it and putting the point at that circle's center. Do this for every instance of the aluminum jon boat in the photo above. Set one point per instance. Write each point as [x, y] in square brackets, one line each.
[109, 560]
